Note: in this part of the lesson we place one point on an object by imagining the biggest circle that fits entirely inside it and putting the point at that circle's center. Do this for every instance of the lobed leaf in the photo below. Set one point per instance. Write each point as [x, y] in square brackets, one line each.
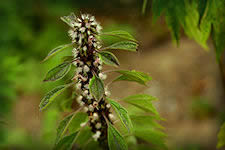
[115, 139]
[109, 58]
[134, 76]
[121, 34]
[221, 137]
[142, 101]
[96, 87]
[50, 96]
[56, 50]
[124, 45]
[66, 143]
[123, 114]
[58, 72]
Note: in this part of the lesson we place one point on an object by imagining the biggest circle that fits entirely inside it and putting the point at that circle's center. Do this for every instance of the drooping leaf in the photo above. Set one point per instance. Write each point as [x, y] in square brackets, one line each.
[96, 87]
[115, 139]
[121, 34]
[123, 114]
[124, 45]
[66, 143]
[142, 101]
[202, 5]
[218, 33]
[144, 6]
[109, 58]
[155, 137]
[58, 72]
[147, 129]
[158, 6]
[71, 122]
[134, 76]
[56, 50]
[221, 137]
[50, 96]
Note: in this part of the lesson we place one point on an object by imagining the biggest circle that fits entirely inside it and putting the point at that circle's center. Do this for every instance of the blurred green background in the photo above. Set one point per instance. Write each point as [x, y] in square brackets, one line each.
[186, 79]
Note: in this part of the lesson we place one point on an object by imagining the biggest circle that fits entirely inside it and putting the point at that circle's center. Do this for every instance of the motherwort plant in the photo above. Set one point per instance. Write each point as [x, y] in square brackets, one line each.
[97, 115]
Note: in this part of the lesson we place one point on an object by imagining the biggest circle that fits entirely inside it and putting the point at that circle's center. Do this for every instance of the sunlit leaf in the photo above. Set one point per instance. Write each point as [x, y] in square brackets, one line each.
[221, 137]
[123, 114]
[50, 96]
[66, 143]
[58, 72]
[124, 45]
[142, 101]
[96, 87]
[109, 58]
[121, 34]
[135, 76]
[115, 139]
[56, 50]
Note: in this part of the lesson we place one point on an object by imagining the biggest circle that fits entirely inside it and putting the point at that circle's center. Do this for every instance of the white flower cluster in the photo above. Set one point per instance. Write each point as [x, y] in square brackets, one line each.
[83, 32]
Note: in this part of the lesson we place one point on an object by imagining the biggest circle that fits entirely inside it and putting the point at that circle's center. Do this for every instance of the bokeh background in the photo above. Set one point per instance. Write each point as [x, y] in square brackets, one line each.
[186, 78]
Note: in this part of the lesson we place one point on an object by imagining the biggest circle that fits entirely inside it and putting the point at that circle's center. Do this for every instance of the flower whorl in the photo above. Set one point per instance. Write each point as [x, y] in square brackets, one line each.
[83, 33]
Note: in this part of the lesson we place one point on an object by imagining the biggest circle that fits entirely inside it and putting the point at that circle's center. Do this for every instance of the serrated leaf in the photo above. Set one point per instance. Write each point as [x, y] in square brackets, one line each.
[56, 50]
[109, 58]
[135, 76]
[121, 34]
[50, 96]
[96, 87]
[142, 101]
[221, 137]
[124, 45]
[66, 143]
[71, 122]
[123, 114]
[115, 139]
[58, 72]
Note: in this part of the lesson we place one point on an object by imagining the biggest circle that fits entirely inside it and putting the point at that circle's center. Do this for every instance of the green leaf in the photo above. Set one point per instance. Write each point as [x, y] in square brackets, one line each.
[115, 139]
[144, 6]
[134, 76]
[50, 96]
[58, 72]
[71, 122]
[96, 87]
[67, 58]
[218, 33]
[202, 5]
[109, 58]
[221, 137]
[146, 121]
[142, 101]
[121, 34]
[66, 143]
[124, 45]
[158, 6]
[79, 118]
[123, 114]
[56, 50]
